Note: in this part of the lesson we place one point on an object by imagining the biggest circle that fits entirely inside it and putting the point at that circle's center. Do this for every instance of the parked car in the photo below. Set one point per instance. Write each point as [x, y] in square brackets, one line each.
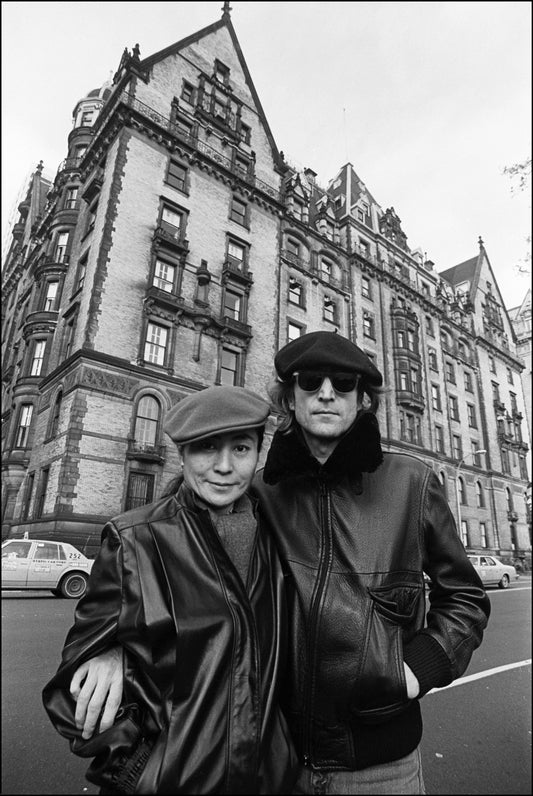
[493, 572]
[42, 564]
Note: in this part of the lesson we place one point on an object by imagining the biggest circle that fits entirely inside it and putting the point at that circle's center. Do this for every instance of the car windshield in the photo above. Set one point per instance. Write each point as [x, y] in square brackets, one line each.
[16, 550]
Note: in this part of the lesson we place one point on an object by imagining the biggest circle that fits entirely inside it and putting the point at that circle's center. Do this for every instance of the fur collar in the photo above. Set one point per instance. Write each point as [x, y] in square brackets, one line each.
[358, 451]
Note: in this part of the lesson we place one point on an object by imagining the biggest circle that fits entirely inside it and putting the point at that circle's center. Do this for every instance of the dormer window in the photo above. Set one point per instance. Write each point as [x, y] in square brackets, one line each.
[221, 72]
[187, 92]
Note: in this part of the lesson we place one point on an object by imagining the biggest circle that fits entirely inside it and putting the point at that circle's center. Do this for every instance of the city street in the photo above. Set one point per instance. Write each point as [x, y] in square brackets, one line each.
[477, 734]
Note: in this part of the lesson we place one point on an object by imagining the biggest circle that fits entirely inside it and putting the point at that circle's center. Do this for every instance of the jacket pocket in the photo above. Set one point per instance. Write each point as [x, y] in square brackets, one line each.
[381, 691]
[120, 753]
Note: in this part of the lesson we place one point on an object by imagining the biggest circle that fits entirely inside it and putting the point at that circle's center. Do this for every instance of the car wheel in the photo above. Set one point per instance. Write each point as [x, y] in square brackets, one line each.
[504, 583]
[73, 585]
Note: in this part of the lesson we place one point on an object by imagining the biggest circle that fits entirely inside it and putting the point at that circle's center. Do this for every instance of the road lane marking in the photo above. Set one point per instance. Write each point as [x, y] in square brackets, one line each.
[487, 673]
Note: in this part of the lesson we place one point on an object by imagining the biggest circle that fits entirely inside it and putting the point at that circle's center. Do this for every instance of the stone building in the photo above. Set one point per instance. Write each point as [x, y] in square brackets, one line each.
[178, 248]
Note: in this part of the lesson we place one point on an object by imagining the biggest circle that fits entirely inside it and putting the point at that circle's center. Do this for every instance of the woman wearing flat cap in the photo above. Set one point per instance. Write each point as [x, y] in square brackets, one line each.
[189, 590]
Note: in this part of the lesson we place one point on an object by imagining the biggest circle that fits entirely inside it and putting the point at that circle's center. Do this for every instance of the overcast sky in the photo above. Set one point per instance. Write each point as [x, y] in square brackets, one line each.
[429, 101]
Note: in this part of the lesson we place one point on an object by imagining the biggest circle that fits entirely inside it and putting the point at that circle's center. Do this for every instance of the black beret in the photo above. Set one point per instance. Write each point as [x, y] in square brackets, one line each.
[325, 351]
[215, 410]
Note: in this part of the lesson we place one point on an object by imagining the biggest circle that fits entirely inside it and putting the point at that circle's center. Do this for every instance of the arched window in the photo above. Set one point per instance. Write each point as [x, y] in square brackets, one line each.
[147, 422]
[480, 495]
[462, 492]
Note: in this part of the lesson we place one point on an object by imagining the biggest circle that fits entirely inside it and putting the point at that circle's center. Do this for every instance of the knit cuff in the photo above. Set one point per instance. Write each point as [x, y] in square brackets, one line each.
[428, 662]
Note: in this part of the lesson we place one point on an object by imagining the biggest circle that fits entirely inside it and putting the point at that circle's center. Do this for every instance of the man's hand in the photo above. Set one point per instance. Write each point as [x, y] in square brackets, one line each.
[97, 684]
[413, 686]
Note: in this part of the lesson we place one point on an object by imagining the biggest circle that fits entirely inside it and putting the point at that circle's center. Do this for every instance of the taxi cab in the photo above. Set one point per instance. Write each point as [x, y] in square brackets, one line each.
[42, 564]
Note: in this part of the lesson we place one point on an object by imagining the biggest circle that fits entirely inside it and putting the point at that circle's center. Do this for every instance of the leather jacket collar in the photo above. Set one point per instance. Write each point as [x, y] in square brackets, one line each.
[358, 451]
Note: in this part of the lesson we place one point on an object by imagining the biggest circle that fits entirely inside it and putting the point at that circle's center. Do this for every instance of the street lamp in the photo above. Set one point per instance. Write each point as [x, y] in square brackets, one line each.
[457, 495]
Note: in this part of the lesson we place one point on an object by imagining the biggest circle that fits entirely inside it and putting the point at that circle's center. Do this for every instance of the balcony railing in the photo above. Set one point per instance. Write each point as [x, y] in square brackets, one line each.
[145, 451]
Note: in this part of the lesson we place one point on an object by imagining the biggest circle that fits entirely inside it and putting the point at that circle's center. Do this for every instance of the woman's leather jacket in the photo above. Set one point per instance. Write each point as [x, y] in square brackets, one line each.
[355, 537]
[202, 658]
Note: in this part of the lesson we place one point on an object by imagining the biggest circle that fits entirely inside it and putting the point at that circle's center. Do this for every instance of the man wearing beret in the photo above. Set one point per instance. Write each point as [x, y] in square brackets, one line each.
[186, 599]
[356, 528]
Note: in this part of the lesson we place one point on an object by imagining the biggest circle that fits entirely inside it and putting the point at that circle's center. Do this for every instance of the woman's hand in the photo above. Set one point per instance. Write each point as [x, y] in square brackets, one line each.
[96, 686]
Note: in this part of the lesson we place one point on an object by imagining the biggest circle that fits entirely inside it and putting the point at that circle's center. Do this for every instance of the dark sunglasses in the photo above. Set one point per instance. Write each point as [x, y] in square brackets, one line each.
[311, 380]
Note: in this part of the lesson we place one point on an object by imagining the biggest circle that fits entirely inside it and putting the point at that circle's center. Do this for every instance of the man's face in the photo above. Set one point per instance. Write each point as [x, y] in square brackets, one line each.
[325, 413]
[220, 468]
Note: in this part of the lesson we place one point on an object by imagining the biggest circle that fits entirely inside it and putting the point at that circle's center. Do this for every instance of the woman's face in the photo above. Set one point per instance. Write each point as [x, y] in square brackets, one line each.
[219, 469]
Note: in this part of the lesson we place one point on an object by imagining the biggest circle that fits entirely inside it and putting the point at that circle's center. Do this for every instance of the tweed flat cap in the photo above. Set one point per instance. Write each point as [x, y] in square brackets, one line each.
[326, 351]
[215, 410]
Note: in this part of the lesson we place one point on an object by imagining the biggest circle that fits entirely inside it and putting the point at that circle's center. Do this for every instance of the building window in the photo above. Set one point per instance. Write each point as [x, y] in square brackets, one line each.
[245, 133]
[140, 490]
[176, 176]
[146, 431]
[439, 439]
[329, 309]
[164, 276]
[429, 326]
[233, 304]
[400, 339]
[450, 372]
[296, 292]
[368, 325]
[39, 348]
[221, 72]
[293, 331]
[91, 217]
[54, 419]
[415, 381]
[238, 211]
[51, 295]
[71, 198]
[325, 270]
[293, 247]
[297, 209]
[229, 362]
[495, 391]
[155, 346]
[444, 482]
[404, 383]
[506, 463]
[454, 408]
[410, 428]
[468, 382]
[41, 497]
[457, 447]
[236, 255]
[171, 221]
[86, 118]
[464, 532]
[82, 270]
[483, 534]
[480, 495]
[241, 165]
[435, 398]
[492, 364]
[23, 428]
[366, 291]
[523, 468]
[432, 356]
[187, 92]
[472, 420]
[462, 491]
[61, 247]
[510, 376]
[411, 341]
[28, 492]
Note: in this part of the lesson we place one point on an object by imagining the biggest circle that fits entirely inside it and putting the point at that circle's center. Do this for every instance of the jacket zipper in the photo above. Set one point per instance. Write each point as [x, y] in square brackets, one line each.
[314, 616]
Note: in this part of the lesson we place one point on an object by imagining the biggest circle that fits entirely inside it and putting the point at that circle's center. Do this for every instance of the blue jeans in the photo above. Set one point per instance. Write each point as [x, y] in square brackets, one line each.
[399, 777]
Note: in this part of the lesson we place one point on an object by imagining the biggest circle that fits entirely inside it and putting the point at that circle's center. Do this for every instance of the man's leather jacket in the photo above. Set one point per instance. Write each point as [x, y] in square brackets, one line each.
[355, 537]
[202, 658]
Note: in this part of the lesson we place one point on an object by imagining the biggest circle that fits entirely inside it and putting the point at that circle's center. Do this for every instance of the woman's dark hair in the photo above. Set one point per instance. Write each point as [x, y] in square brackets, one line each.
[281, 394]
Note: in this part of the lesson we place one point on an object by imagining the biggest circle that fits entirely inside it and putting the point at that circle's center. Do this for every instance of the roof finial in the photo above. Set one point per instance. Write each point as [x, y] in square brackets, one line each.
[226, 9]
[480, 241]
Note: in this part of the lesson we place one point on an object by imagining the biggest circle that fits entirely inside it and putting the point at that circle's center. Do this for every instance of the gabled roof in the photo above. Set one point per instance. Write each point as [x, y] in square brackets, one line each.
[463, 272]
[173, 49]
